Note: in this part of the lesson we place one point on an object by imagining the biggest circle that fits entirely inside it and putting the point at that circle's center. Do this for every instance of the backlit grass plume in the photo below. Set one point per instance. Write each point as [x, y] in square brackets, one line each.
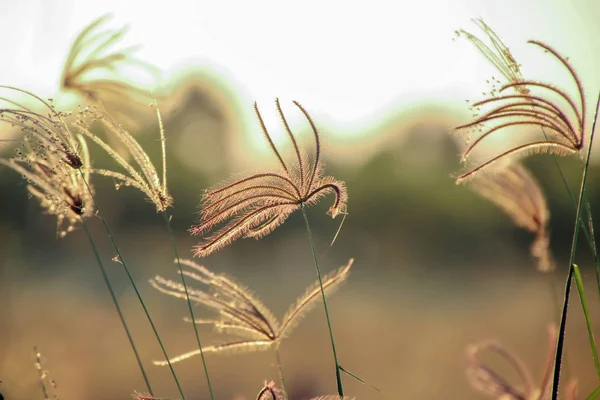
[241, 313]
[53, 162]
[256, 205]
[48, 127]
[514, 190]
[144, 177]
[497, 52]
[270, 391]
[93, 66]
[560, 115]
[485, 379]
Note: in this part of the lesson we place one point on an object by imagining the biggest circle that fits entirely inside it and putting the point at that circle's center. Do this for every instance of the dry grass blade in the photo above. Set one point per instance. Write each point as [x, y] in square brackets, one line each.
[256, 205]
[144, 177]
[92, 70]
[241, 313]
[53, 162]
[485, 379]
[514, 190]
[535, 103]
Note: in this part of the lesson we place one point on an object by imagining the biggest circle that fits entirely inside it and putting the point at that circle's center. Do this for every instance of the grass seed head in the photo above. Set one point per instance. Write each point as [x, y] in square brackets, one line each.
[256, 205]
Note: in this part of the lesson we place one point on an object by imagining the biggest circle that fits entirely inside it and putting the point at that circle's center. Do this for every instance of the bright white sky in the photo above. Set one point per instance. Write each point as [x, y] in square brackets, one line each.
[349, 63]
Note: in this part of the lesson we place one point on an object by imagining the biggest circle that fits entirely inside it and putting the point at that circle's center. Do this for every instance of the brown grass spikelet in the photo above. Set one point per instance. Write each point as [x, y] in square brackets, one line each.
[53, 162]
[145, 177]
[517, 193]
[241, 313]
[485, 379]
[560, 116]
[256, 205]
[93, 65]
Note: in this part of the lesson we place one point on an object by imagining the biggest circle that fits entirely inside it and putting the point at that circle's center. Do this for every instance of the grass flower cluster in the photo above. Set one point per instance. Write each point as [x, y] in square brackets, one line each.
[53, 156]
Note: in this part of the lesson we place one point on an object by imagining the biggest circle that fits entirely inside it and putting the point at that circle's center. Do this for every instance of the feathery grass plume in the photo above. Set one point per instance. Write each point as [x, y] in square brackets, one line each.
[498, 53]
[145, 396]
[145, 177]
[93, 66]
[271, 392]
[44, 377]
[558, 113]
[55, 166]
[256, 205]
[49, 127]
[514, 190]
[486, 380]
[241, 313]
[333, 397]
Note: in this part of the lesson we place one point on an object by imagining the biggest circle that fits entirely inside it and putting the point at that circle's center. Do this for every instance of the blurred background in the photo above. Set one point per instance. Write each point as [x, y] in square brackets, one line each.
[436, 268]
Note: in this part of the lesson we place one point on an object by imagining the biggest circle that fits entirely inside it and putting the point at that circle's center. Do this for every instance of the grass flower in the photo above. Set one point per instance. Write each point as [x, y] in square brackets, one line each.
[92, 70]
[516, 192]
[53, 162]
[256, 205]
[486, 380]
[48, 127]
[497, 53]
[144, 177]
[560, 115]
[241, 313]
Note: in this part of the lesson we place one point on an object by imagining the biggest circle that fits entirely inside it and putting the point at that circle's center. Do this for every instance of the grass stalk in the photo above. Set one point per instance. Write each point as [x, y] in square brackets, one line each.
[563, 321]
[280, 371]
[189, 302]
[586, 313]
[338, 375]
[117, 306]
[588, 229]
[137, 292]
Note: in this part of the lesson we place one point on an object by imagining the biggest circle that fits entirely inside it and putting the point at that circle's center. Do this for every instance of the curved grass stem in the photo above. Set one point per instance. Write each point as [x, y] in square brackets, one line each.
[117, 306]
[139, 296]
[280, 371]
[563, 322]
[189, 302]
[338, 375]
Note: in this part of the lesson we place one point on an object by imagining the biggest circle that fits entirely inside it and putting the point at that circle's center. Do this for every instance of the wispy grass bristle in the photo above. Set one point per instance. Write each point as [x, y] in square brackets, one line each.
[241, 313]
[516, 192]
[94, 69]
[256, 205]
[144, 177]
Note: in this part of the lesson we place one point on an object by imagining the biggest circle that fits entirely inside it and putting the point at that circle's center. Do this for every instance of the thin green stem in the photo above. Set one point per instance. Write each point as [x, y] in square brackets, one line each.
[338, 375]
[594, 395]
[588, 229]
[280, 371]
[586, 313]
[139, 296]
[563, 322]
[116, 303]
[189, 302]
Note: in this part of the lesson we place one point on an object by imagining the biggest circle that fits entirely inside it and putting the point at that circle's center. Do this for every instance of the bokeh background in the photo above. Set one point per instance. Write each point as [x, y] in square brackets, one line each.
[436, 266]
